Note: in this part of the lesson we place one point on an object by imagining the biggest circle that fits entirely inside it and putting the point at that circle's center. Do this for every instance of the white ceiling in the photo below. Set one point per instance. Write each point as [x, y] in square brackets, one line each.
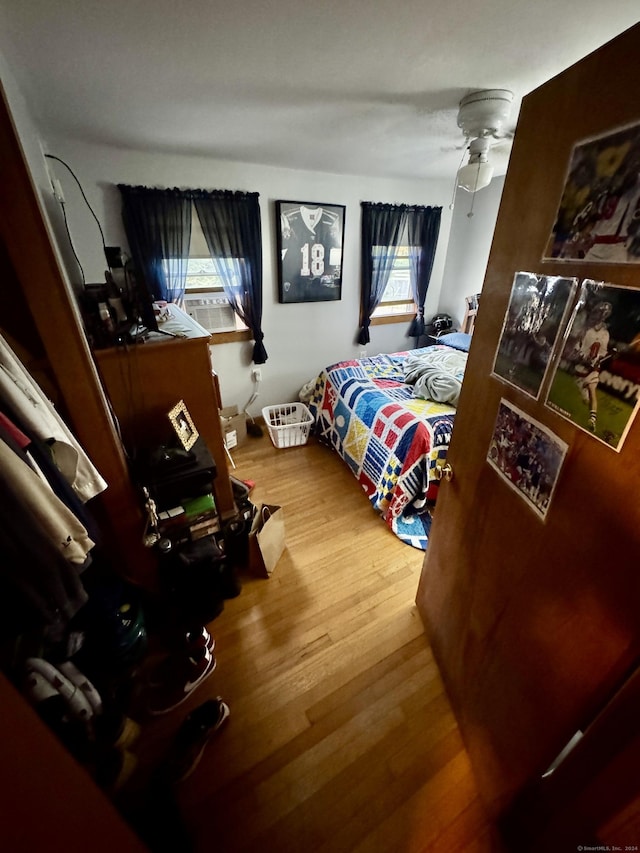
[363, 87]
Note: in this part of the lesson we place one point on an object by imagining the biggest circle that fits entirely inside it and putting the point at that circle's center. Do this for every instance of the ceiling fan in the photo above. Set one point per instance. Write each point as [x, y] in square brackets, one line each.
[481, 117]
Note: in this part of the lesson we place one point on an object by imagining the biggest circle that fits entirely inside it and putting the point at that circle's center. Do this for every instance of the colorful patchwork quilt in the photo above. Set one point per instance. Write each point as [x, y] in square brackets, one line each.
[390, 440]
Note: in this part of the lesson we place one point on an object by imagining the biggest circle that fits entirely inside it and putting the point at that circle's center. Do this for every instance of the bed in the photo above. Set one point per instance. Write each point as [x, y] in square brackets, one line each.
[390, 439]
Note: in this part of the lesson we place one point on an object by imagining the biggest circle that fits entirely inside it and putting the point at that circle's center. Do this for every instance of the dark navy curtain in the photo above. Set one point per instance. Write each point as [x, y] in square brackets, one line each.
[231, 226]
[423, 227]
[383, 226]
[157, 223]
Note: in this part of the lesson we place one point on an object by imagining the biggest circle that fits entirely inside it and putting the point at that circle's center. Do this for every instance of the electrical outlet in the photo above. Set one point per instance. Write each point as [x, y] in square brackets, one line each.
[256, 374]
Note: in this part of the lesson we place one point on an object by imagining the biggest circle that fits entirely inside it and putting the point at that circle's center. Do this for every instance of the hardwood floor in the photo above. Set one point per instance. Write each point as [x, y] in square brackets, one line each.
[340, 736]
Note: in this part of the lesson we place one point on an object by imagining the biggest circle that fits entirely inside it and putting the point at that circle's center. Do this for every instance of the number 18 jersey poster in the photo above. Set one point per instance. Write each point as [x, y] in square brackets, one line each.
[310, 238]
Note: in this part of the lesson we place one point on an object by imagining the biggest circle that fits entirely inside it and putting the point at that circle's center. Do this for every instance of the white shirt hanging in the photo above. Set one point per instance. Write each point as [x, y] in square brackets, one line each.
[54, 518]
[28, 402]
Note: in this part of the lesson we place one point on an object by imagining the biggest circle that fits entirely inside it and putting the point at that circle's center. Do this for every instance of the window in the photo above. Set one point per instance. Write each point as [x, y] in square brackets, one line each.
[202, 274]
[397, 301]
[204, 297]
[398, 246]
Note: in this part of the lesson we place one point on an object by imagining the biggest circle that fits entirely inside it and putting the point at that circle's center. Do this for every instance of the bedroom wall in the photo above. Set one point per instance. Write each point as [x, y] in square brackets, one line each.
[31, 144]
[301, 338]
[469, 244]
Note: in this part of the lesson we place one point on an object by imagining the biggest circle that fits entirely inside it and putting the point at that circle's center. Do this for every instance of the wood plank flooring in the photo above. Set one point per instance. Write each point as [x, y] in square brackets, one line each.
[341, 737]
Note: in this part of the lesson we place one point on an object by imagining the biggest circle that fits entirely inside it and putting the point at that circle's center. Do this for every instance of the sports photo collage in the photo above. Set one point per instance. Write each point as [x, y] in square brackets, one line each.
[575, 343]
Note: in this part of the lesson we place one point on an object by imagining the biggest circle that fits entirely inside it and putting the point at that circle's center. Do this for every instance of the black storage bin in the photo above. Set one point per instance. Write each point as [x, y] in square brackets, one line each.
[190, 576]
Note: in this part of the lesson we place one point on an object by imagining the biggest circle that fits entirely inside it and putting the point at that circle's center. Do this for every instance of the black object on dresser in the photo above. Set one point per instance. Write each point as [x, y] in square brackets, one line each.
[195, 572]
[172, 474]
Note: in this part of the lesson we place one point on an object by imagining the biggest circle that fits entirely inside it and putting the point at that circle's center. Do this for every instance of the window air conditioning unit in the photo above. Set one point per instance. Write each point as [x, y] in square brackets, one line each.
[211, 311]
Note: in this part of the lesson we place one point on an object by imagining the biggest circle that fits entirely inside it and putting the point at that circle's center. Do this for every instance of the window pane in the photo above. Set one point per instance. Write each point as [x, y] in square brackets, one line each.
[200, 266]
[399, 284]
[386, 309]
[201, 272]
[211, 282]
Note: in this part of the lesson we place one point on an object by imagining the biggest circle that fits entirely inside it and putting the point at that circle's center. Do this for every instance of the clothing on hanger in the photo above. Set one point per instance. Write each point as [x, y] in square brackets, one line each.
[40, 588]
[59, 524]
[24, 397]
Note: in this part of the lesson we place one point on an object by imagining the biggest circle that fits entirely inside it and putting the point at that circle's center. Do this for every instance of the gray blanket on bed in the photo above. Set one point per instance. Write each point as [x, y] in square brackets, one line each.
[436, 375]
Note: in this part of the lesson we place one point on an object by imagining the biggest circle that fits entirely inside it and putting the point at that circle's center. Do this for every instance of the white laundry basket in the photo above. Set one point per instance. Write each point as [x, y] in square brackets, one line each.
[289, 424]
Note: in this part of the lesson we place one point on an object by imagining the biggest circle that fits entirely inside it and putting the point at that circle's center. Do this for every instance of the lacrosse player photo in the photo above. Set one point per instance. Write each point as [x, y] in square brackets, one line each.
[596, 383]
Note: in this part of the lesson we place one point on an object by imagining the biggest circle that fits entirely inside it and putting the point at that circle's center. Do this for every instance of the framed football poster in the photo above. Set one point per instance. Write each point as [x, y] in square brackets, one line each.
[310, 238]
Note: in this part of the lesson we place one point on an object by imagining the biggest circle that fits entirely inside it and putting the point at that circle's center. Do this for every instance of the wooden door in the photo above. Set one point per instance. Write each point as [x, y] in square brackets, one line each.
[536, 624]
[49, 802]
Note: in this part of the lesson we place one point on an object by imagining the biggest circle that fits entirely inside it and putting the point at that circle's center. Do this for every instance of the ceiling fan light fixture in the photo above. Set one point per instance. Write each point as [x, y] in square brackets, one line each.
[478, 172]
[485, 112]
[475, 176]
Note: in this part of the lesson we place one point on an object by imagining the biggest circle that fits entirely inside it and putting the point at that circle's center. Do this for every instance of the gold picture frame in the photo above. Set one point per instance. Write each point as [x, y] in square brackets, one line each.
[183, 425]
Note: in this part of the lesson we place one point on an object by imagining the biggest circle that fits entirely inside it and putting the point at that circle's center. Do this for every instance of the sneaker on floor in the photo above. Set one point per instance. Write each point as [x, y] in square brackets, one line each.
[200, 638]
[187, 674]
[192, 738]
[193, 642]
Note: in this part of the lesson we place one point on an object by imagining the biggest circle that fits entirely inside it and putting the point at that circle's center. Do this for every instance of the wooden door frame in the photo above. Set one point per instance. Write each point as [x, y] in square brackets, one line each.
[55, 315]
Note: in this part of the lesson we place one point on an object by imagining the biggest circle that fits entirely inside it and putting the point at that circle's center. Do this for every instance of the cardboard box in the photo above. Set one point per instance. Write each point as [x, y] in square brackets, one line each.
[234, 426]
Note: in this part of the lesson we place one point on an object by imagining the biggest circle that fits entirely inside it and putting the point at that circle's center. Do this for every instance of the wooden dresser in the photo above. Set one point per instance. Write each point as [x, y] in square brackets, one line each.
[144, 381]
